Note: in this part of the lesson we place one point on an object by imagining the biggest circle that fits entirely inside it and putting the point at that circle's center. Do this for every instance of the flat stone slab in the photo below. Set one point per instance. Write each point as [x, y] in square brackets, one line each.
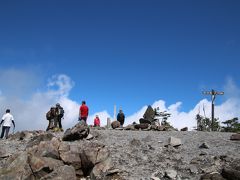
[235, 137]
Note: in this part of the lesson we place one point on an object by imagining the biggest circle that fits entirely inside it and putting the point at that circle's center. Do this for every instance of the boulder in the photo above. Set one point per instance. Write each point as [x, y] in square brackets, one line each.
[101, 169]
[37, 139]
[38, 166]
[89, 137]
[52, 163]
[61, 173]
[235, 137]
[175, 142]
[83, 156]
[46, 149]
[184, 129]
[142, 126]
[115, 124]
[130, 127]
[3, 153]
[162, 128]
[204, 146]
[231, 174]
[232, 171]
[18, 167]
[135, 142]
[212, 176]
[87, 165]
[78, 132]
[170, 174]
[71, 158]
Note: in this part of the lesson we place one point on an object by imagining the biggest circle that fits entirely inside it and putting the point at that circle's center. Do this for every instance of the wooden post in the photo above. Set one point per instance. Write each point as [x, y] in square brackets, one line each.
[213, 97]
[108, 123]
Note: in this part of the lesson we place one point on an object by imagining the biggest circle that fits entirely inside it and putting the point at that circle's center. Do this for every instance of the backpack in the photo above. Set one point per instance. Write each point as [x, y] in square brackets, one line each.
[120, 117]
[60, 112]
[49, 115]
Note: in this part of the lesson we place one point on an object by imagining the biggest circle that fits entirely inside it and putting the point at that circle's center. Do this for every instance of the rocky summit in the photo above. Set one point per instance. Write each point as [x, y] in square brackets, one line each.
[83, 152]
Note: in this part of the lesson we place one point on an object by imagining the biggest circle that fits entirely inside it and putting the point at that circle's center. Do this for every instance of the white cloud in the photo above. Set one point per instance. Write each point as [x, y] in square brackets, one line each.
[15, 83]
[60, 85]
[179, 119]
[30, 112]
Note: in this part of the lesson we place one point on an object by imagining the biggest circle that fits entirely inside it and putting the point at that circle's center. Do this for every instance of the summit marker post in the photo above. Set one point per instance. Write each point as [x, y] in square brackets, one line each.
[213, 94]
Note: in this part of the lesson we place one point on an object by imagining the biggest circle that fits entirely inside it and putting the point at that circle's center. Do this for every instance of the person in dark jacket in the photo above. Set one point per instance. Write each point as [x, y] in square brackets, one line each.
[121, 117]
[59, 115]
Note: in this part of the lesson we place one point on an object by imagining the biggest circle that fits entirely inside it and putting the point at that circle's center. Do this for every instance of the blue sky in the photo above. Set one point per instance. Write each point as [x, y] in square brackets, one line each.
[128, 53]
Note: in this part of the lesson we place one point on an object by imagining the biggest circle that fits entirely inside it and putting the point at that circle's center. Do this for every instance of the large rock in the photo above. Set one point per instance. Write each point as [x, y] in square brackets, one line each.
[170, 174]
[115, 124]
[52, 163]
[83, 156]
[28, 166]
[235, 137]
[38, 166]
[3, 153]
[231, 174]
[204, 146]
[142, 126]
[61, 173]
[232, 171]
[18, 168]
[46, 149]
[149, 114]
[130, 127]
[25, 135]
[212, 176]
[175, 142]
[79, 131]
[184, 129]
[37, 139]
[44, 156]
[101, 169]
[70, 154]
[87, 164]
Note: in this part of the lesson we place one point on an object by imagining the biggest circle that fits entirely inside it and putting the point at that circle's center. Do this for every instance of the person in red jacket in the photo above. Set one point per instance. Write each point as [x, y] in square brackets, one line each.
[83, 112]
[96, 121]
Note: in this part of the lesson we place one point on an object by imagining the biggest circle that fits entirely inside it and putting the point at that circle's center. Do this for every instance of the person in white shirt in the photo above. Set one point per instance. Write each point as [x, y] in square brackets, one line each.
[7, 119]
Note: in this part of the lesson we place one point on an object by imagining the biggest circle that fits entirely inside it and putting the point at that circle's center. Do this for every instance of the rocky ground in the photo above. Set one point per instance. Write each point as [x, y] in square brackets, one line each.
[142, 154]
[121, 154]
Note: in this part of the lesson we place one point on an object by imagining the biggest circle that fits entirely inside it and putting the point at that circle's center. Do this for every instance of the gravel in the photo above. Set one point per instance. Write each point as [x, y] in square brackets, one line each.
[142, 154]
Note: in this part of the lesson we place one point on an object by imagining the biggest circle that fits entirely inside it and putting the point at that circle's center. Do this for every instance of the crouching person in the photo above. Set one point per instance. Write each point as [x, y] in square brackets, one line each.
[96, 121]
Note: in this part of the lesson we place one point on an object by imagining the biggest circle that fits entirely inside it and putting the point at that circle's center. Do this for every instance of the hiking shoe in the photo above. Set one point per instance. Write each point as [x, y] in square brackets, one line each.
[55, 129]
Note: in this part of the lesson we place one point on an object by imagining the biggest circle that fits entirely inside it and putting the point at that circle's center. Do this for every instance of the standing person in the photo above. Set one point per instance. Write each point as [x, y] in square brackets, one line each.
[50, 117]
[59, 115]
[121, 117]
[96, 121]
[7, 119]
[83, 112]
